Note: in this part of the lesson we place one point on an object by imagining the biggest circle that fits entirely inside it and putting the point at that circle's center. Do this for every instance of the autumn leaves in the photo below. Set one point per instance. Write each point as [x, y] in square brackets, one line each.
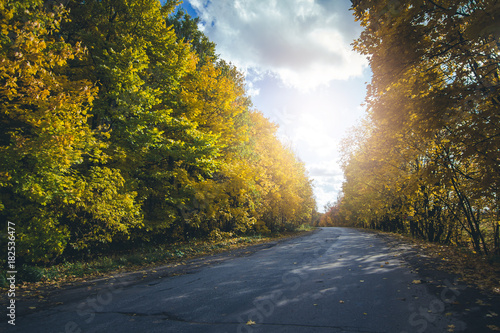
[113, 131]
[426, 160]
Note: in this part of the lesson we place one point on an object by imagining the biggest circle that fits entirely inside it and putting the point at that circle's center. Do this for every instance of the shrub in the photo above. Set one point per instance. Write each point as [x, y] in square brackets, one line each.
[30, 273]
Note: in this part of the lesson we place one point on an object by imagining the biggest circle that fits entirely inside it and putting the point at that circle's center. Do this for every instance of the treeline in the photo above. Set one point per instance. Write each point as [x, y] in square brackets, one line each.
[426, 160]
[121, 125]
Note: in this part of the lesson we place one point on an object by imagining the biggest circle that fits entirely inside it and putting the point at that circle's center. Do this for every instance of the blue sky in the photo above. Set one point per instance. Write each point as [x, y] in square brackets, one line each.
[300, 70]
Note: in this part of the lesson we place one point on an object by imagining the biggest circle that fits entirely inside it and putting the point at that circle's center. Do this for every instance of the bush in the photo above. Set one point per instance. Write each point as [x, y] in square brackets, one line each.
[105, 263]
[30, 273]
[3, 280]
[135, 259]
[261, 228]
[217, 235]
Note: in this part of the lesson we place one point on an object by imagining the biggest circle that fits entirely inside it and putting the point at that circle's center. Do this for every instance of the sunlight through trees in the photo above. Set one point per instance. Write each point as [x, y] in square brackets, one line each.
[426, 161]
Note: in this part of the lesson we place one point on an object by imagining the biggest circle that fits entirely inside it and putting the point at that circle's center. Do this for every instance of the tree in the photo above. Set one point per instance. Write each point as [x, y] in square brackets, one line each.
[121, 126]
[44, 133]
[434, 99]
[186, 30]
[285, 190]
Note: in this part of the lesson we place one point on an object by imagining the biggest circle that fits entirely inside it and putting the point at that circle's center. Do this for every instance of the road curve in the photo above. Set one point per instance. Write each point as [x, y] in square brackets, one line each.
[332, 280]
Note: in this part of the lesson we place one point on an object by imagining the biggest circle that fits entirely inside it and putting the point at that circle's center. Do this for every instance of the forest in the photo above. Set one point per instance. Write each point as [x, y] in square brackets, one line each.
[121, 126]
[425, 161]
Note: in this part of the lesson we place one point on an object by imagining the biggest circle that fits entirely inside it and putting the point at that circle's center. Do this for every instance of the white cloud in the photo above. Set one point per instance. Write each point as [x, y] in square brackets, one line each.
[306, 43]
[300, 71]
[328, 178]
[251, 89]
[329, 169]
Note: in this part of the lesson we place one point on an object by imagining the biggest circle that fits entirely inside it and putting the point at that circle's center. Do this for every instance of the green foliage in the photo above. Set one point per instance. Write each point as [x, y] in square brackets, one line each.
[40, 237]
[30, 273]
[120, 125]
[102, 209]
[44, 132]
[186, 30]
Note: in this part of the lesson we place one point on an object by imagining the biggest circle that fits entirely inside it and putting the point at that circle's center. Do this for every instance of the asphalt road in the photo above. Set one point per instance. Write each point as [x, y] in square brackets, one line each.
[333, 280]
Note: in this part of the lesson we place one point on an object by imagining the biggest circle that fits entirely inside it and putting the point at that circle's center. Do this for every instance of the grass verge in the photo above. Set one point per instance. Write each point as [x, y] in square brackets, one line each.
[30, 277]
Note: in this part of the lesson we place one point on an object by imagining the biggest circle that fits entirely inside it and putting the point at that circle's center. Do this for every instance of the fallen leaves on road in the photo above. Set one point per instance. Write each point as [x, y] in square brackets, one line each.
[481, 302]
[481, 271]
[493, 327]
[251, 322]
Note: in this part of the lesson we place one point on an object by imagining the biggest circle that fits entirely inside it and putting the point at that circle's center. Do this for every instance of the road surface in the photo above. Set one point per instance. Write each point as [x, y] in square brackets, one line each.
[332, 280]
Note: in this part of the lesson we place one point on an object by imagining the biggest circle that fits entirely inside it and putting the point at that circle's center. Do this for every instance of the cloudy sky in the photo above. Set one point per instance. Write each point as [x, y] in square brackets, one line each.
[300, 70]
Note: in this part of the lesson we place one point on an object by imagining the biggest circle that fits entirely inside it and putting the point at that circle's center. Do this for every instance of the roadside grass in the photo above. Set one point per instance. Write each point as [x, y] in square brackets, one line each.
[149, 256]
[306, 227]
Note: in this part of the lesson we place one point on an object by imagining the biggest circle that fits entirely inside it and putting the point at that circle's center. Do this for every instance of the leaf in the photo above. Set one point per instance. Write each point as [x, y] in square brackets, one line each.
[480, 302]
[250, 322]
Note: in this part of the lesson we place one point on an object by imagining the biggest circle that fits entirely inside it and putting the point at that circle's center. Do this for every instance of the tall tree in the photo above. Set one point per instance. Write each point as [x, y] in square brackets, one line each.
[44, 133]
[434, 96]
[119, 124]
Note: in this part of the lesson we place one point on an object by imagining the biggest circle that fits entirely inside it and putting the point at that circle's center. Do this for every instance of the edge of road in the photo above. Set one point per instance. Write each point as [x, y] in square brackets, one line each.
[473, 306]
[50, 296]
[476, 307]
